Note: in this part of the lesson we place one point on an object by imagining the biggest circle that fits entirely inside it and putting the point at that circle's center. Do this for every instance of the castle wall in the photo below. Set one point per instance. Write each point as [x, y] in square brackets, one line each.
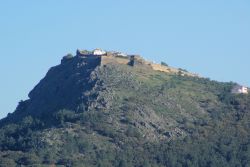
[133, 60]
[113, 59]
[159, 67]
[92, 60]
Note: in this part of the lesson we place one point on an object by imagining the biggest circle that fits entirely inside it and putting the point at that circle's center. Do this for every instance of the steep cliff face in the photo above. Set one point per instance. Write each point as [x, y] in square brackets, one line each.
[95, 111]
[63, 87]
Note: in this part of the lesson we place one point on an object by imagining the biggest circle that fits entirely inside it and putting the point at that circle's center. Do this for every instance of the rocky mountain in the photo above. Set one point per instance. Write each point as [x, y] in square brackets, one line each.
[111, 109]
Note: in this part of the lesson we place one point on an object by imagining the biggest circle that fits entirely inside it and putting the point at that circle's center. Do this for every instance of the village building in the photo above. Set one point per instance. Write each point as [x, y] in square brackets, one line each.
[122, 54]
[238, 89]
[99, 52]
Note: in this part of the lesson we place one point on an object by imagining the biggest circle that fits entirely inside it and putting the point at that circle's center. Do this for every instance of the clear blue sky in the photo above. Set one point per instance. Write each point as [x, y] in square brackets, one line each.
[211, 38]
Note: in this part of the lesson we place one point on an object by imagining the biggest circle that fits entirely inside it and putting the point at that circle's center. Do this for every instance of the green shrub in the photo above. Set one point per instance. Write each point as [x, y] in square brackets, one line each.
[5, 162]
[68, 56]
[164, 64]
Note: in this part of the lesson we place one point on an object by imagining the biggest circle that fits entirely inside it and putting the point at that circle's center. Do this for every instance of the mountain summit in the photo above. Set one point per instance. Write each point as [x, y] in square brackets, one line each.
[101, 108]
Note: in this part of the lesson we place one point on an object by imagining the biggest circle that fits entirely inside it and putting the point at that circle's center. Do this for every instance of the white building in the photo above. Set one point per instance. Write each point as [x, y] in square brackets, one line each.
[240, 89]
[98, 52]
[122, 54]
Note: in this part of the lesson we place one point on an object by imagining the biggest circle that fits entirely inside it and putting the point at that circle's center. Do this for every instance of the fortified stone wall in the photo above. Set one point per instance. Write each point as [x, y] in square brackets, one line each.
[114, 59]
[162, 68]
[133, 60]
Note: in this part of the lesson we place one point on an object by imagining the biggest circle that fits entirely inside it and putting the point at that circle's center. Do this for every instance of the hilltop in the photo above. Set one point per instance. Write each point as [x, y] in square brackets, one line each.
[103, 58]
[112, 109]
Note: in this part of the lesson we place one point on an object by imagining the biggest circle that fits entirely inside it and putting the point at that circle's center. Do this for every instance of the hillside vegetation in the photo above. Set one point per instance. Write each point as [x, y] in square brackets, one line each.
[84, 114]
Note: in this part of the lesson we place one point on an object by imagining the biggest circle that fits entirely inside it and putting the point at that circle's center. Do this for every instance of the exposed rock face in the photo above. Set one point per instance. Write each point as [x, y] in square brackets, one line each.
[66, 58]
[64, 86]
[82, 84]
